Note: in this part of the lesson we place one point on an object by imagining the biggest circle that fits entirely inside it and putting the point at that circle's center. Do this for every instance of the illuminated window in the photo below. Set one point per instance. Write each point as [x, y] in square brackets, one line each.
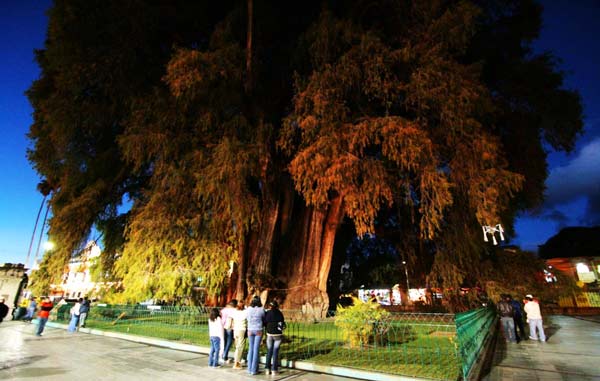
[582, 268]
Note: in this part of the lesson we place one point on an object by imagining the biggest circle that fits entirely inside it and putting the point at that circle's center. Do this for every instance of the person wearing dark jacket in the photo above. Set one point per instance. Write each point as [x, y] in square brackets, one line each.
[83, 311]
[3, 310]
[518, 318]
[506, 312]
[275, 324]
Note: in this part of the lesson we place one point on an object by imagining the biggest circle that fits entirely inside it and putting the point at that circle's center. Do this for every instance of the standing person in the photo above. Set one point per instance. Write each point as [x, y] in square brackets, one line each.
[74, 316]
[518, 319]
[534, 317]
[505, 310]
[21, 311]
[45, 308]
[3, 310]
[83, 311]
[275, 324]
[239, 333]
[227, 319]
[256, 319]
[215, 332]
[31, 309]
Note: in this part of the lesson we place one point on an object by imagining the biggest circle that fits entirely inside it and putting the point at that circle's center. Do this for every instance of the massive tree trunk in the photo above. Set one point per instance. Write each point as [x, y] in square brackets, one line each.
[259, 274]
[305, 264]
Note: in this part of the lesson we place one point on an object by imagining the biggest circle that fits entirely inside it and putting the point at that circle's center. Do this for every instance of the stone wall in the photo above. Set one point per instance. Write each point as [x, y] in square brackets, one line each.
[11, 277]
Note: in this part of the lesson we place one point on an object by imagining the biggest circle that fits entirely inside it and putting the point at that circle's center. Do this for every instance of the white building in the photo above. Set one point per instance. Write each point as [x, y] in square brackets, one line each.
[77, 281]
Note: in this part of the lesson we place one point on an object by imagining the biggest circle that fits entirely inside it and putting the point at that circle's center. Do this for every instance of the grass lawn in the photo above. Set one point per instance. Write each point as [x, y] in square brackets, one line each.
[410, 348]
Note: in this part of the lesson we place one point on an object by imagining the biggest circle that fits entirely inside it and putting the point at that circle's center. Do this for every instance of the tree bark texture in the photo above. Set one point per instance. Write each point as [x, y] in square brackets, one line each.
[307, 257]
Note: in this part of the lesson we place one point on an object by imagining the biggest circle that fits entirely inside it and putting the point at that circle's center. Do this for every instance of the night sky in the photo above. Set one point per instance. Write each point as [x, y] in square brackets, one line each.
[571, 30]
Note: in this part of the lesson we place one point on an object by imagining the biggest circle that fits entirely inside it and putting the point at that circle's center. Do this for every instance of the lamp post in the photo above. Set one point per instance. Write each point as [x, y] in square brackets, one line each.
[406, 273]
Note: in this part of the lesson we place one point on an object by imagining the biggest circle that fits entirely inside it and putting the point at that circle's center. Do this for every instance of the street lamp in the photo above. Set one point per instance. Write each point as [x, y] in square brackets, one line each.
[406, 273]
[493, 230]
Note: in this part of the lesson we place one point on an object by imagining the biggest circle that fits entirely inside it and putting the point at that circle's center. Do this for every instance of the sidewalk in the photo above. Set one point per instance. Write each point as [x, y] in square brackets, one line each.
[572, 352]
[59, 355]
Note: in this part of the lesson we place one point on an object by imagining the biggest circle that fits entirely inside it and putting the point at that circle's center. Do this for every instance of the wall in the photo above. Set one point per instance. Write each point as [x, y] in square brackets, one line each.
[11, 277]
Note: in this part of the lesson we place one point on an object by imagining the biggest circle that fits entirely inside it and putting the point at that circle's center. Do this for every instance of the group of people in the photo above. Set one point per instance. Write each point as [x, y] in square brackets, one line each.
[79, 313]
[30, 305]
[511, 318]
[236, 323]
[26, 309]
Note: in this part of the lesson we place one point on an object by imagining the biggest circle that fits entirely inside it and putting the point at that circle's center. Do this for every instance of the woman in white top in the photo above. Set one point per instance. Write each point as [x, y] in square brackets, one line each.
[74, 316]
[239, 333]
[215, 331]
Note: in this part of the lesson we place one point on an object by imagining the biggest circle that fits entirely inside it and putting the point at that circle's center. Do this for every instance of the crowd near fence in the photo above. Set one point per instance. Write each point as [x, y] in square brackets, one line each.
[437, 346]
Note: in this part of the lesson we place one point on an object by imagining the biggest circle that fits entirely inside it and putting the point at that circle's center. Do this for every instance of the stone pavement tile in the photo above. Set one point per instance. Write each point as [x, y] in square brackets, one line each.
[576, 377]
[169, 354]
[572, 352]
[549, 376]
[59, 356]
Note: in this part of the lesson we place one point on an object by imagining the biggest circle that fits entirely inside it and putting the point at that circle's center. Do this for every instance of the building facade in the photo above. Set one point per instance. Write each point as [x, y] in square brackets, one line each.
[12, 281]
[76, 280]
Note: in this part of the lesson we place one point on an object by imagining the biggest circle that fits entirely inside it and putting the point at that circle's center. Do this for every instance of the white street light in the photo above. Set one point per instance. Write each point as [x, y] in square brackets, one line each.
[406, 273]
[493, 230]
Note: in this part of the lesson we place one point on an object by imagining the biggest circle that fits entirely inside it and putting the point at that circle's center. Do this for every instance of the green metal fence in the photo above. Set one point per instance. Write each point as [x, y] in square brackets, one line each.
[473, 329]
[409, 344]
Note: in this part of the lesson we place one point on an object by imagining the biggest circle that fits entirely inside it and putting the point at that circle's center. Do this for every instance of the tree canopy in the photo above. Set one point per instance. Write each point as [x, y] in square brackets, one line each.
[245, 133]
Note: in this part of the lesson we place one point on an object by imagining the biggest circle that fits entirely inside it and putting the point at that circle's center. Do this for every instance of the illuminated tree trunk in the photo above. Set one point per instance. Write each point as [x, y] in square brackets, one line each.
[306, 259]
[259, 273]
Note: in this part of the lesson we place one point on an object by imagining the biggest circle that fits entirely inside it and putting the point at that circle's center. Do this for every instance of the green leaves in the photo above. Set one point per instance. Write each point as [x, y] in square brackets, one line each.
[359, 321]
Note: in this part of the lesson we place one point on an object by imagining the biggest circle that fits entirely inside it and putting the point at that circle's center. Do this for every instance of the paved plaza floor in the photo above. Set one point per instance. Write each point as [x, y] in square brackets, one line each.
[59, 355]
[571, 353]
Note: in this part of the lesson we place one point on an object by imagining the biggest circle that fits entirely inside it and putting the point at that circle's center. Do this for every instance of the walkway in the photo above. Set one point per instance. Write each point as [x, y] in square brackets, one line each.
[60, 356]
[572, 352]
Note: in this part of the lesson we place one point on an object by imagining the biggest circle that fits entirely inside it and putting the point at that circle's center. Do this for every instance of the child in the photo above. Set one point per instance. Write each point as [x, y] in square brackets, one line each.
[215, 331]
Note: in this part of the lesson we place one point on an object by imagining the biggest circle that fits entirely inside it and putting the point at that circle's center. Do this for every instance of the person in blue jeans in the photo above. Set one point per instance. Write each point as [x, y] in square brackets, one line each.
[45, 308]
[256, 318]
[74, 323]
[506, 312]
[215, 331]
[227, 319]
[275, 324]
[518, 319]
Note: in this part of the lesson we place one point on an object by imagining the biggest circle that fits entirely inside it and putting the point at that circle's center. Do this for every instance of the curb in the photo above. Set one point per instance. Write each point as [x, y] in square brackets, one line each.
[300, 365]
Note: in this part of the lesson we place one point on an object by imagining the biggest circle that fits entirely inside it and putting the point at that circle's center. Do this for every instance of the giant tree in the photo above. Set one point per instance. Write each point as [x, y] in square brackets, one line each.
[247, 134]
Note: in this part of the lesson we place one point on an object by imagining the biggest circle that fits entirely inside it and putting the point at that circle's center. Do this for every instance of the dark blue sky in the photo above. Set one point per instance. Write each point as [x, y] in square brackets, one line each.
[571, 30]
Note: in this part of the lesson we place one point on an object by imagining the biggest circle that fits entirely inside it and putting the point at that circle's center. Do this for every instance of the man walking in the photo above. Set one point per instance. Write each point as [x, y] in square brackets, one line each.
[534, 317]
[43, 315]
[506, 312]
[518, 318]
